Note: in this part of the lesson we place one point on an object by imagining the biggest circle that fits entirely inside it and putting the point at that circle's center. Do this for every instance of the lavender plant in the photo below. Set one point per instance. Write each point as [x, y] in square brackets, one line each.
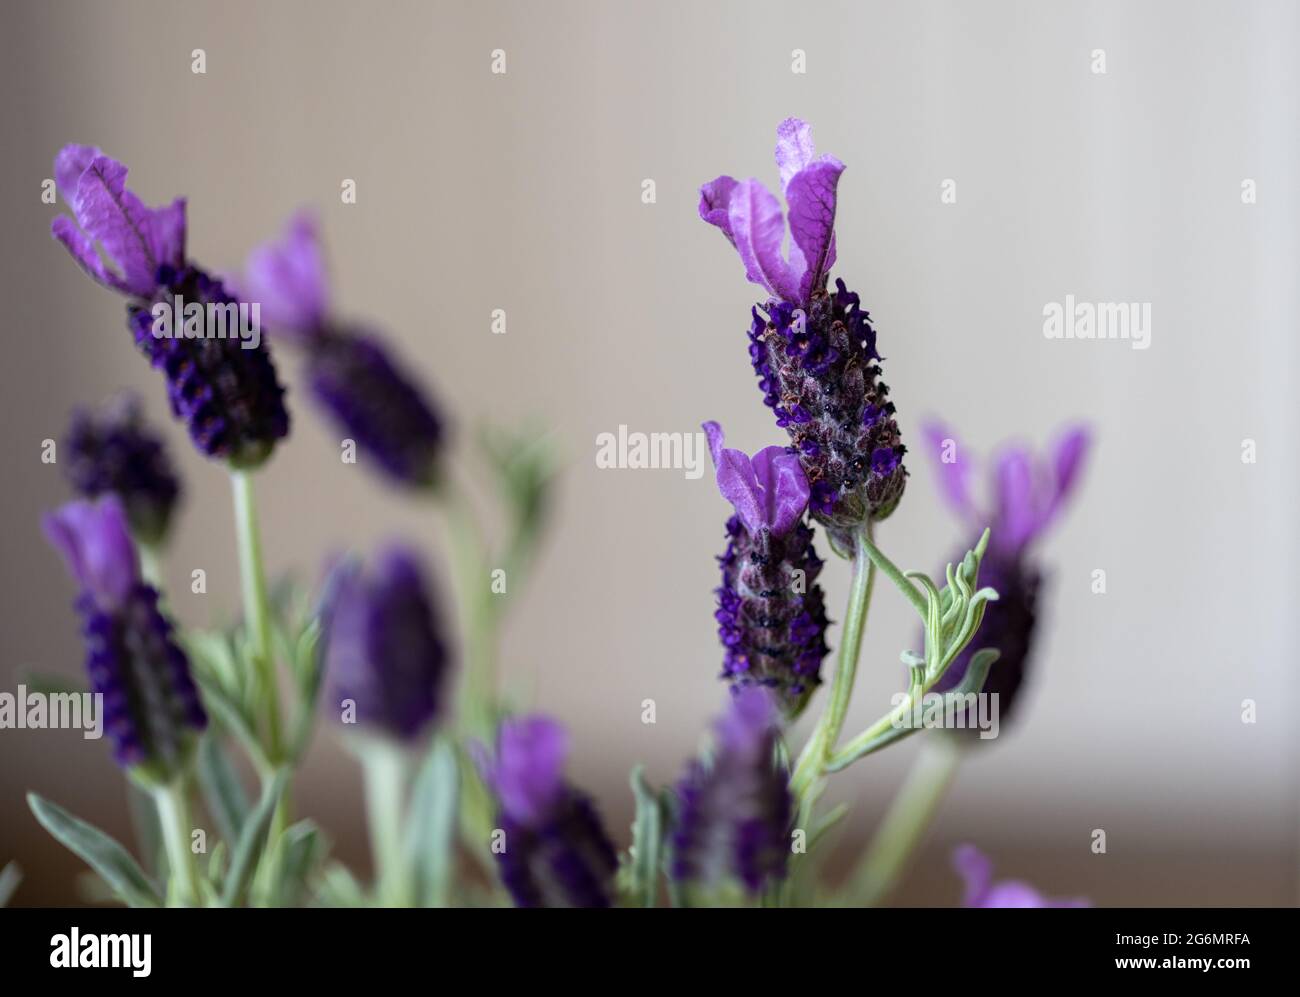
[468, 802]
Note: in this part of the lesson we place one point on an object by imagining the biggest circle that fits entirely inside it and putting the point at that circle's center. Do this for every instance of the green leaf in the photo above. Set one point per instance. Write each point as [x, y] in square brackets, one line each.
[10, 877]
[231, 716]
[431, 824]
[647, 841]
[222, 790]
[252, 842]
[99, 851]
[148, 833]
[299, 850]
[339, 888]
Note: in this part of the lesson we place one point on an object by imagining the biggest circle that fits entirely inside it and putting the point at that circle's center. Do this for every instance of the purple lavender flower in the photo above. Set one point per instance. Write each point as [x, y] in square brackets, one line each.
[1028, 496]
[735, 809]
[771, 613]
[113, 451]
[814, 351]
[151, 705]
[383, 648]
[975, 868]
[228, 395]
[351, 373]
[556, 853]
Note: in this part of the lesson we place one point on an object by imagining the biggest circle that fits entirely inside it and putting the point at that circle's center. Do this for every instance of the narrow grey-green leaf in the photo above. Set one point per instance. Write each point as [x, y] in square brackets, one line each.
[431, 824]
[647, 840]
[222, 790]
[252, 842]
[10, 877]
[99, 851]
[300, 847]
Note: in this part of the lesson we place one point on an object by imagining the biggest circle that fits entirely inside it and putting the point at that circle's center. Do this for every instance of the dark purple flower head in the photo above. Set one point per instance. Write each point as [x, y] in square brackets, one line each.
[383, 648]
[151, 705]
[113, 451]
[1028, 495]
[771, 612]
[735, 810]
[814, 350]
[352, 374]
[223, 385]
[975, 868]
[556, 852]
[749, 215]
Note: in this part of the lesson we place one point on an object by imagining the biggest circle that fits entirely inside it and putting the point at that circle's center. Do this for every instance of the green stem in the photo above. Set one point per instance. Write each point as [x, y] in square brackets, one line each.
[386, 768]
[150, 565]
[469, 551]
[827, 732]
[257, 616]
[174, 823]
[895, 575]
[905, 822]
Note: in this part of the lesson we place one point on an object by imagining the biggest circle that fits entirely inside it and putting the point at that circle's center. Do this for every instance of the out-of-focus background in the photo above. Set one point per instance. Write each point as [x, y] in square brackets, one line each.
[523, 192]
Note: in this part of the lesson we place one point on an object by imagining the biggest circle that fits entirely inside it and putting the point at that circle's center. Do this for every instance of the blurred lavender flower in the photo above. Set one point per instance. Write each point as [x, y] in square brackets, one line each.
[556, 853]
[151, 705]
[382, 646]
[1027, 497]
[771, 613]
[975, 868]
[113, 451]
[735, 807]
[814, 351]
[227, 395]
[352, 374]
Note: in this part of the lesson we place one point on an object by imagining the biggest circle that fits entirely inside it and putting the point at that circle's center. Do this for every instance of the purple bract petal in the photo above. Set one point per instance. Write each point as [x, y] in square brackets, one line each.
[794, 148]
[758, 229]
[96, 544]
[288, 278]
[811, 196]
[715, 199]
[527, 773]
[954, 476]
[976, 869]
[770, 490]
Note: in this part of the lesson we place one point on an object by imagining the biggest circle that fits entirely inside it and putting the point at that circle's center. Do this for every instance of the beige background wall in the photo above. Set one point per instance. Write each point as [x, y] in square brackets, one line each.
[522, 192]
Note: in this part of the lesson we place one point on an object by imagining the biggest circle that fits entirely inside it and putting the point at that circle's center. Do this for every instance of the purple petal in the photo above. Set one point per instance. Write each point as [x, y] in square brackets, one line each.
[977, 870]
[115, 217]
[794, 149]
[716, 439]
[740, 487]
[784, 485]
[528, 771]
[1067, 459]
[1019, 508]
[743, 729]
[758, 228]
[65, 230]
[811, 194]
[715, 197]
[954, 478]
[287, 277]
[69, 164]
[96, 544]
[167, 232]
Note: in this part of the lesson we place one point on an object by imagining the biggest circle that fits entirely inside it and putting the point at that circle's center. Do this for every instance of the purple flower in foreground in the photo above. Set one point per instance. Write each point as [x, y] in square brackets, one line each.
[113, 451]
[151, 706]
[814, 350]
[1028, 495]
[735, 808]
[352, 374]
[556, 853]
[975, 868]
[383, 648]
[771, 613]
[222, 386]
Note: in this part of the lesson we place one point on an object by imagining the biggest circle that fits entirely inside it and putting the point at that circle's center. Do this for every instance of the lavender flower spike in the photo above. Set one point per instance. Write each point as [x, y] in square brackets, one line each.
[976, 869]
[1028, 496]
[735, 812]
[771, 613]
[222, 385]
[151, 706]
[383, 649]
[114, 452]
[556, 853]
[814, 351]
[352, 374]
